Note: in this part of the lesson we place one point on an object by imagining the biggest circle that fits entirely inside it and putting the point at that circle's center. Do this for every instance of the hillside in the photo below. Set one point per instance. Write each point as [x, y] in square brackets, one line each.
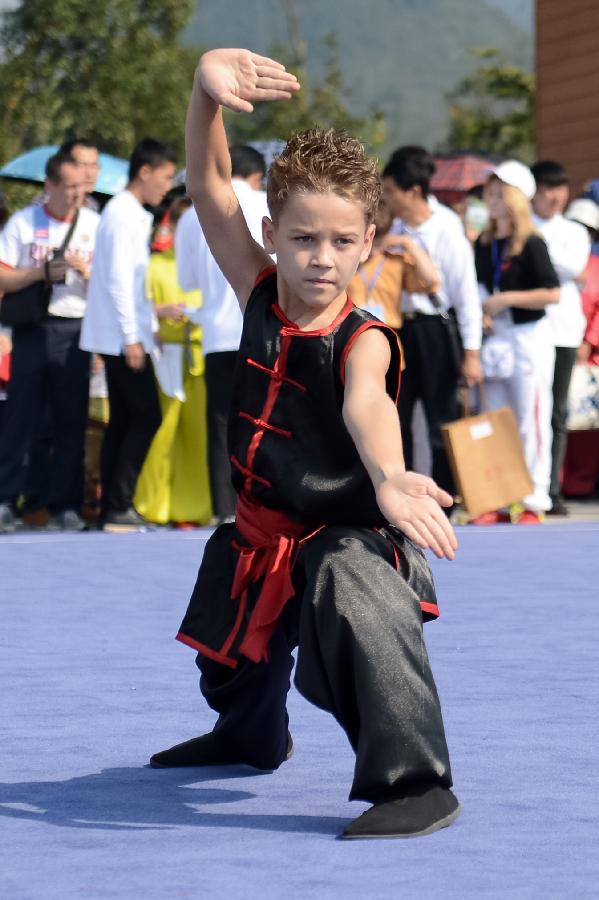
[399, 55]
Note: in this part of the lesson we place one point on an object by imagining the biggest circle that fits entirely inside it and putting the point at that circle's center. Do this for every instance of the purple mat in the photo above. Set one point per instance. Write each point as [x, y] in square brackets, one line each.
[93, 683]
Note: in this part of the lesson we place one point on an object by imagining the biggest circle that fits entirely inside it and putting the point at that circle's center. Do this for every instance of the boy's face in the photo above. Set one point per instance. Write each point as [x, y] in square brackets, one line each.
[319, 239]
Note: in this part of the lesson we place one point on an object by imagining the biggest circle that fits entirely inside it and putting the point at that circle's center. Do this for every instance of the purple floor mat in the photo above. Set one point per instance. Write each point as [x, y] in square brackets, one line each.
[93, 683]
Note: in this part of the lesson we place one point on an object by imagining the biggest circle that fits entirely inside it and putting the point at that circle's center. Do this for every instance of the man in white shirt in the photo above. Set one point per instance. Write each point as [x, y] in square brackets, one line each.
[432, 362]
[569, 249]
[221, 317]
[119, 324]
[47, 364]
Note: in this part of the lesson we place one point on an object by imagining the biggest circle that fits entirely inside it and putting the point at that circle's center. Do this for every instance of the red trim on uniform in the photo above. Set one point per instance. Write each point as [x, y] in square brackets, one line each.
[6, 266]
[264, 274]
[346, 350]
[291, 328]
[263, 424]
[396, 557]
[236, 626]
[431, 608]
[206, 651]
[248, 472]
[277, 375]
[274, 388]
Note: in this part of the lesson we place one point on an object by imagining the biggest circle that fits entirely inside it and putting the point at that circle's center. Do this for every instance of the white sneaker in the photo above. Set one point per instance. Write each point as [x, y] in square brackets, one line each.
[7, 519]
[68, 520]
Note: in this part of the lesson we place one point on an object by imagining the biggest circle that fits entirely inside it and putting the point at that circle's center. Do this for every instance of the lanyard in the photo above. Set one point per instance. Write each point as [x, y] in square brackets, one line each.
[497, 264]
[370, 284]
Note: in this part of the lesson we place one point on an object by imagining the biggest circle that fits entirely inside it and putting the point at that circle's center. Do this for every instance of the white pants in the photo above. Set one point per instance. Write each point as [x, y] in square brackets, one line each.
[528, 392]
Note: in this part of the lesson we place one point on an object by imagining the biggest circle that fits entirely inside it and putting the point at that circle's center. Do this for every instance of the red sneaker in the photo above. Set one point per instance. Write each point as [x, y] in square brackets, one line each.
[528, 517]
[495, 517]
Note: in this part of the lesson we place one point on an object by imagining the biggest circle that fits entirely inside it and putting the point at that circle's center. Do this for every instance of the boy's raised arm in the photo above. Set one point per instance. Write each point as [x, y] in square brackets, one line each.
[234, 79]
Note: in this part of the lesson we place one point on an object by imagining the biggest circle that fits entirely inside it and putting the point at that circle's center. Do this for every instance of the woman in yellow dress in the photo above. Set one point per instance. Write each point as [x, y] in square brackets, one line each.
[173, 485]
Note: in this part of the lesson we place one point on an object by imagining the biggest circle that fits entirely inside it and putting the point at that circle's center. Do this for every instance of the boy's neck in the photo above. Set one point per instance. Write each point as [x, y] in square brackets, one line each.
[308, 318]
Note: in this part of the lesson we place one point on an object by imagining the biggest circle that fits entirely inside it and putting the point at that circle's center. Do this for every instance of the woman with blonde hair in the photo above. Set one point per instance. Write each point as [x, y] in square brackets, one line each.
[517, 281]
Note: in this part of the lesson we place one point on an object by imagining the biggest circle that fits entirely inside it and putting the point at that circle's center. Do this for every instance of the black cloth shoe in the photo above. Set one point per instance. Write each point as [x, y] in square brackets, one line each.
[207, 750]
[558, 508]
[419, 813]
[128, 520]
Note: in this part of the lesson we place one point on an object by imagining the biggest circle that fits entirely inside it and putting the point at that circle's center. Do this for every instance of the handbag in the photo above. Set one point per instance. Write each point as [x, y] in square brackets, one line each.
[583, 398]
[454, 341]
[29, 305]
[487, 460]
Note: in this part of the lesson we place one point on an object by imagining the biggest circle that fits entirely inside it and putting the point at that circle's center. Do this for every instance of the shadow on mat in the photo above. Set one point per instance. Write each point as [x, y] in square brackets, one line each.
[136, 799]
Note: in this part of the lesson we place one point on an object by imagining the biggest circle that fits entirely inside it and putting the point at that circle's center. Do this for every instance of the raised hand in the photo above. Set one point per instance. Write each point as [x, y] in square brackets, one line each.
[238, 78]
[413, 504]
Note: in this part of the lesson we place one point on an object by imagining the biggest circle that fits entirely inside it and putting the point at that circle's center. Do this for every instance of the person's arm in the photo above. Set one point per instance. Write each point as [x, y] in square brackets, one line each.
[538, 298]
[14, 277]
[462, 292]
[119, 264]
[425, 268]
[410, 501]
[233, 79]
[540, 272]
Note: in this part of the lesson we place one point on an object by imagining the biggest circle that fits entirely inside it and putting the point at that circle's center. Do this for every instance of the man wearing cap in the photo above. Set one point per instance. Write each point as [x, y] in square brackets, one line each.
[431, 373]
[569, 249]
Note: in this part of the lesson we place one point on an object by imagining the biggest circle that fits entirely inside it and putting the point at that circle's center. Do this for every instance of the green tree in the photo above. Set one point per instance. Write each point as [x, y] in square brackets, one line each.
[492, 110]
[111, 70]
[323, 103]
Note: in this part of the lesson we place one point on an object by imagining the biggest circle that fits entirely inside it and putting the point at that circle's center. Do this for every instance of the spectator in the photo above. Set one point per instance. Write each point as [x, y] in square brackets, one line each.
[432, 370]
[221, 319]
[86, 155]
[173, 485]
[581, 463]
[569, 249]
[377, 284]
[46, 360]
[519, 281]
[119, 324]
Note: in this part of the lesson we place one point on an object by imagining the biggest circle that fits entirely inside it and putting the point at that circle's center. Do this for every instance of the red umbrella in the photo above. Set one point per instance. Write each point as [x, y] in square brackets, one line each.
[460, 173]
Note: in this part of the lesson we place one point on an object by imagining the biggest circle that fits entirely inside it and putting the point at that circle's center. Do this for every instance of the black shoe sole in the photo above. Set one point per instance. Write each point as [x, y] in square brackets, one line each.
[436, 826]
[154, 764]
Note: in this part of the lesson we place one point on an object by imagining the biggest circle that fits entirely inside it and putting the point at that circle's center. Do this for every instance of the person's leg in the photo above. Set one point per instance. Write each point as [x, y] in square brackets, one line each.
[219, 372]
[250, 700]
[409, 389]
[438, 380]
[68, 380]
[386, 701]
[531, 384]
[139, 396]
[23, 408]
[115, 430]
[565, 357]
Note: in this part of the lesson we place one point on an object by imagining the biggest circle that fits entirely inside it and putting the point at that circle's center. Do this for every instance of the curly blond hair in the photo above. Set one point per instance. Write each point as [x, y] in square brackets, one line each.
[317, 161]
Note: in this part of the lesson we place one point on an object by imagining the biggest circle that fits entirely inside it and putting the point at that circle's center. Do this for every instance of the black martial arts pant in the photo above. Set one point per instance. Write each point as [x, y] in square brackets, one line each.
[135, 418]
[430, 376]
[219, 371]
[565, 357]
[358, 623]
[49, 371]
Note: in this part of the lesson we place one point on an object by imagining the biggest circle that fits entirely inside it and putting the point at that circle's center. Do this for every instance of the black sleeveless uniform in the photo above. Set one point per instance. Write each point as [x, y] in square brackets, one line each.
[361, 589]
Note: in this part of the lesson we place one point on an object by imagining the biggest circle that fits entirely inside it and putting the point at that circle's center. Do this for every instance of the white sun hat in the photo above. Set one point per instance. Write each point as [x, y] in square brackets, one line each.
[517, 175]
[584, 211]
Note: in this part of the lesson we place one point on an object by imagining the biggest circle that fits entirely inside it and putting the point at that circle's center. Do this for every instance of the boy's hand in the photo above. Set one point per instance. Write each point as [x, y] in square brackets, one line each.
[238, 78]
[413, 504]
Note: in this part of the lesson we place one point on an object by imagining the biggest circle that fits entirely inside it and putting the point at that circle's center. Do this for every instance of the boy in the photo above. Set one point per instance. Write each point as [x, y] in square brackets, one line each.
[322, 552]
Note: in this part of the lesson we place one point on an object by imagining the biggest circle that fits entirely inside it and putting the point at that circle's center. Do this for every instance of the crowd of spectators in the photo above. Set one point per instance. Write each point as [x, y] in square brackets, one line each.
[501, 306]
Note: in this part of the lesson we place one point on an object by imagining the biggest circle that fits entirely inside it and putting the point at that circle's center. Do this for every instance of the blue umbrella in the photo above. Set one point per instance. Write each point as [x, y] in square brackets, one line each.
[30, 166]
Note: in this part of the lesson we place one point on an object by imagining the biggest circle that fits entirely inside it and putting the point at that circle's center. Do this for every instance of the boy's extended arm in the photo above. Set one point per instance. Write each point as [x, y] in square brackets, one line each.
[408, 500]
[235, 79]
